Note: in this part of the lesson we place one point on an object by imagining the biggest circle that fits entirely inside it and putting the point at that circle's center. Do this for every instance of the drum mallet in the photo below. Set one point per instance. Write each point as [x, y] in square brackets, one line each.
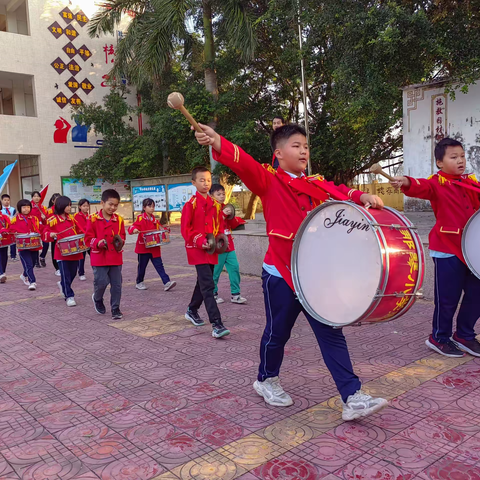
[176, 101]
[377, 169]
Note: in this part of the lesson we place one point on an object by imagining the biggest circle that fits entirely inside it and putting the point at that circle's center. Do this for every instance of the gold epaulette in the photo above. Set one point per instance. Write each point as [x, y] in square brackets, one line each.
[473, 177]
[193, 201]
[52, 221]
[269, 168]
[14, 220]
[94, 217]
[320, 178]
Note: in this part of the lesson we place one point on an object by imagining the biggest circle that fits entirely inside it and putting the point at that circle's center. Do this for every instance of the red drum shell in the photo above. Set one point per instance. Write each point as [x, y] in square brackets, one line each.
[157, 238]
[72, 245]
[28, 241]
[6, 240]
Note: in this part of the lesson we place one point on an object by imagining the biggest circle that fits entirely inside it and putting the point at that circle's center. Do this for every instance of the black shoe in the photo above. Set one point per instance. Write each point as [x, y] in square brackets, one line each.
[194, 318]
[37, 265]
[470, 346]
[448, 349]
[99, 306]
[117, 314]
[42, 262]
[219, 330]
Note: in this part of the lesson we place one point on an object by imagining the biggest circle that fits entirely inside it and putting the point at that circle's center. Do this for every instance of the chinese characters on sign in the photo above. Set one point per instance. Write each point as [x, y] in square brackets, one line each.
[67, 15]
[109, 52]
[86, 86]
[56, 30]
[61, 100]
[72, 85]
[59, 65]
[439, 108]
[71, 33]
[70, 50]
[81, 18]
[84, 52]
[73, 67]
[75, 101]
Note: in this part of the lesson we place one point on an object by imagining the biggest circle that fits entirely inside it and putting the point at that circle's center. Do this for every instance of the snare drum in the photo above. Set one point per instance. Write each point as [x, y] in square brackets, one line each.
[6, 240]
[157, 238]
[470, 243]
[28, 241]
[72, 245]
[352, 265]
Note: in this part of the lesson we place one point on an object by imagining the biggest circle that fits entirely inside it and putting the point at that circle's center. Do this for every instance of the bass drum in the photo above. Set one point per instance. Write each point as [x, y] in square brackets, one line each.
[352, 265]
[470, 244]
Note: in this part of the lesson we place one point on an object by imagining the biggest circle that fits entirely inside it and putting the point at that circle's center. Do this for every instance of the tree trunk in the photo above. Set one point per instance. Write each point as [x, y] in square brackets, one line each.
[210, 73]
[228, 188]
[251, 207]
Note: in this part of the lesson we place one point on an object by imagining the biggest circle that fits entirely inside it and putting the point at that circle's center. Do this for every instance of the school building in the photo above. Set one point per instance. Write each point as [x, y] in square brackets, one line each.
[48, 63]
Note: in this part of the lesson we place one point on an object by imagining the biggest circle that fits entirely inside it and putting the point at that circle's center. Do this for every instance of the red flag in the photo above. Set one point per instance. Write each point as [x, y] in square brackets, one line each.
[43, 194]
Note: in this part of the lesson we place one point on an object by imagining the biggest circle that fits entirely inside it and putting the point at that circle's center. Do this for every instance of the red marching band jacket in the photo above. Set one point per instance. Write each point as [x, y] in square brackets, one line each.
[231, 225]
[37, 211]
[145, 223]
[63, 227]
[22, 224]
[81, 220]
[201, 216]
[452, 204]
[4, 227]
[286, 200]
[99, 229]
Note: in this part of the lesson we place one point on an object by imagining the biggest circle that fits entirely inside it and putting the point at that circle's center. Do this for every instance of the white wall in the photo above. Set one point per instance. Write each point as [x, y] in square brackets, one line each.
[33, 55]
[460, 119]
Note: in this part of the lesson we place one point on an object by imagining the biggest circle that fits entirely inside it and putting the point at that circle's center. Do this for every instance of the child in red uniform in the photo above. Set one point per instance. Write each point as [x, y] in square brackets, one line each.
[22, 223]
[229, 258]
[4, 230]
[287, 197]
[81, 218]
[60, 225]
[40, 212]
[453, 205]
[146, 222]
[50, 211]
[106, 261]
[202, 215]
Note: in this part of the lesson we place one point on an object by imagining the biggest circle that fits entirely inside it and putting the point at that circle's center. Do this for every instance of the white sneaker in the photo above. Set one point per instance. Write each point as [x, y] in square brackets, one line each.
[170, 285]
[273, 393]
[71, 302]
[32, 286]
[59, 284]
[218, 299]
[3, 278]
[57, 273]
[362, 405]
[238, 299]
[24, 280]
[141, 286]
[82, 278]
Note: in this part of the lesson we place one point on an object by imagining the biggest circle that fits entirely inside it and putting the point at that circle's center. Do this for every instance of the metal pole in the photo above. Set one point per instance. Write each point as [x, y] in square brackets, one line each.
[304, 85]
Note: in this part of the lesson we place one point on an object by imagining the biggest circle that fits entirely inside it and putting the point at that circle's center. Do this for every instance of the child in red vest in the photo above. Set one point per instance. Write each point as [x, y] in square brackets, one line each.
[61, 224]
[81, 217]
[453, 206]
[25, 223]
[229, 258]
[202, 215]
[287, 197]
[4, 231]
[146, 222]
[106, 229]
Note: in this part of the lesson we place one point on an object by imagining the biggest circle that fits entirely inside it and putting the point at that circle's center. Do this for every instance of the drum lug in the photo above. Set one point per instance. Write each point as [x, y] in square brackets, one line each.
[419, 294]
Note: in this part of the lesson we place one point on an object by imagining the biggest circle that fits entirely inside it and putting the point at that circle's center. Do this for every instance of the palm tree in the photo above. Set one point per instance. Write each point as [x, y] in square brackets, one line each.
[160, 29]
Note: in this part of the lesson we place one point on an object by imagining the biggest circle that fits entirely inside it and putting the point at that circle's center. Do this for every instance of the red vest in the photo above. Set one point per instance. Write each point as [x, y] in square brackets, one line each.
[144, 223]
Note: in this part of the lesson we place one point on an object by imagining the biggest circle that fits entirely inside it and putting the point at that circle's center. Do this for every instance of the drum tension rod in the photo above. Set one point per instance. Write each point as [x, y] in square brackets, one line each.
[397, 294]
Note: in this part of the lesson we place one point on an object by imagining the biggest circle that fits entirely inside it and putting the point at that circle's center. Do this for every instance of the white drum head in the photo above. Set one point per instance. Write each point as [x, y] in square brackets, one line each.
[337, 263]
[471, 244]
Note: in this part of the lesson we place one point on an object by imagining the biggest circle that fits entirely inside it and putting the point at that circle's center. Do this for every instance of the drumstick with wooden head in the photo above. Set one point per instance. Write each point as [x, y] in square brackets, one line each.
[176, 101]
[377, 169]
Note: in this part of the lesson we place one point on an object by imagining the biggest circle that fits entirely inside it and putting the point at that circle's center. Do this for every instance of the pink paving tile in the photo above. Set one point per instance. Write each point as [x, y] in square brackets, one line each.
[327, 452]
[164, 403]
[17, 428]
[289, 467]
[391, 419]
[127, 418]
[459, 420]
[45, 408]
[367, 467]
[66, 418]
[468, 451]
[449, 468]
[150, 434]
[177, 450]
[361, 436]
[219, 433]
[139, 467]
[190, 418]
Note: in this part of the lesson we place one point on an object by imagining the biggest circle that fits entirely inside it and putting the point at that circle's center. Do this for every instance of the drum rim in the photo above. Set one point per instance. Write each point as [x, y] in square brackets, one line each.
[469, 264]
[298, 290]
[155, 232]
[71, 237]
[28, 235]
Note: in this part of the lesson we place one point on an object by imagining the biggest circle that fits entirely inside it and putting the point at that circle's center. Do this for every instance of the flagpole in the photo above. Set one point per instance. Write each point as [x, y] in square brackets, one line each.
[304, 84]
